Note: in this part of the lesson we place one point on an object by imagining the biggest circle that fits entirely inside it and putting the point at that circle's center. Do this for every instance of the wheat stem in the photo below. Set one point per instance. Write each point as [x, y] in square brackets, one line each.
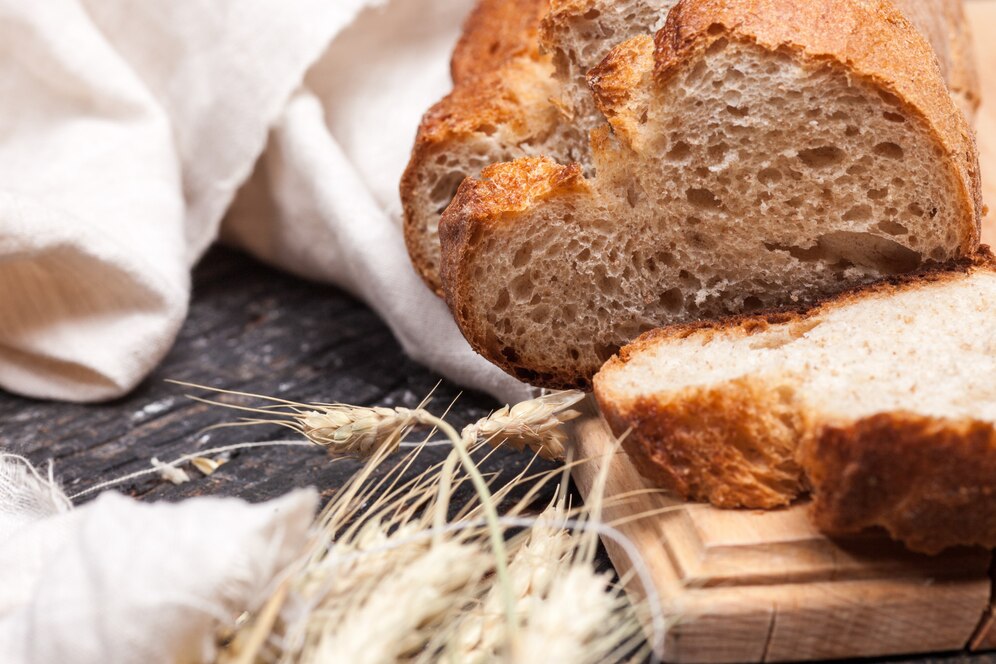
[491, 516]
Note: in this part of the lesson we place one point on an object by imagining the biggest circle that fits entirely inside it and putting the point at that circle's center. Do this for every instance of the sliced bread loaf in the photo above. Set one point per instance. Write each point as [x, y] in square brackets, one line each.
[757, 159]
[883, 401]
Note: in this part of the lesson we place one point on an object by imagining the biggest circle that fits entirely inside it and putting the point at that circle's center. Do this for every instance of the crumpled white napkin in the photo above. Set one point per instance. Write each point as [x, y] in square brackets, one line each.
[127, 131]
[121, 581]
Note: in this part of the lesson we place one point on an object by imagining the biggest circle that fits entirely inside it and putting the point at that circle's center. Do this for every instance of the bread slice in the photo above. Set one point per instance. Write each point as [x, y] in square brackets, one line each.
[883, 401]
[510, 101]
[756, 160]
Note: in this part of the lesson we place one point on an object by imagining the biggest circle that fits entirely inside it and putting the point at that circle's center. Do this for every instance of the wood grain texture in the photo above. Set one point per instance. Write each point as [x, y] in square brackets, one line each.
[766, 586]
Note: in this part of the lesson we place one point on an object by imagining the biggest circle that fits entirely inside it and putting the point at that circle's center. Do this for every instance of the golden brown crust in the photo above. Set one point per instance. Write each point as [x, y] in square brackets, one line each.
[618, 83]
[871, 38]
[732, 445]
[931, 483]
[495, 32]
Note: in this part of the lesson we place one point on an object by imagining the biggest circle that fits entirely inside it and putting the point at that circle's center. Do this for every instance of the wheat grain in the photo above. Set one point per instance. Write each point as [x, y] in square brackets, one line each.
[575, 622]
[414, 589]
[356, 431]
[536, 424]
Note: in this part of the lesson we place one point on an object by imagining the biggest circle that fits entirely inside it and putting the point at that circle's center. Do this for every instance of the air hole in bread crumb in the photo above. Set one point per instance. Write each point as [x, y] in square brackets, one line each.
[822, 157]
[522, 287]
[889, 150]
[680, 152]
[892, 227]
[858, 213]
[752, 303]
[540, 314]
[893, 117]
[718, 151]
[672, 300]
[702, 198]
[604, 352]
[889, 98]
[878, 194]
[522, 256]
[689, 280]
[445, 188]
[769, 175]
[740, 112]
[501, 304]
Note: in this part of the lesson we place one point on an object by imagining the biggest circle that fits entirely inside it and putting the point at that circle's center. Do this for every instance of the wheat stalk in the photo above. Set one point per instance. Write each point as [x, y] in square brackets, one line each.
[536, 424]
[362, 432]
[390, 577]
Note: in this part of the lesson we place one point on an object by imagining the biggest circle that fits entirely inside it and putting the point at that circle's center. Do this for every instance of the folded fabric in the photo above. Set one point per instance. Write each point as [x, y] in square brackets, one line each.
[128, 130]
[121, 581]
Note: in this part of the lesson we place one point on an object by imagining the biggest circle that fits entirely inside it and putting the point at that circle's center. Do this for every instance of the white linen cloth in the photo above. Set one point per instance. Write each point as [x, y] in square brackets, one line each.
[120, 581]
[126, 131]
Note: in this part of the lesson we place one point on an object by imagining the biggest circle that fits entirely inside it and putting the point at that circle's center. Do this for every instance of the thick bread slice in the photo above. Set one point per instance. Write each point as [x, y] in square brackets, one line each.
[504, 108]
[757, 160]
[884, 401]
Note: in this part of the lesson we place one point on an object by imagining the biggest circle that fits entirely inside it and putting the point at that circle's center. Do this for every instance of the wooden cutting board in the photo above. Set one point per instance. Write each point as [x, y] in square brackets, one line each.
[749, 586]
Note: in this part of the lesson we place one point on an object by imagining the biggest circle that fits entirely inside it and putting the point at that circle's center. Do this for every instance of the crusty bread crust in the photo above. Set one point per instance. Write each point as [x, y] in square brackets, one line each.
[500, 80]
[717, 443]
[930, 482]
[495, 32]
[733, 445]
[945, 25]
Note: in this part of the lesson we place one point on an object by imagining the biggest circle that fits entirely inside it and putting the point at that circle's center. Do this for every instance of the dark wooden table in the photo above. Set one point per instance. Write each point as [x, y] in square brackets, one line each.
[256, 330]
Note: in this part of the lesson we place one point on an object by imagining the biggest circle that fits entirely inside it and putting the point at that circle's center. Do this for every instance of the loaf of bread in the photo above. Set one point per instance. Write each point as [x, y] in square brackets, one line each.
[882, 401]
[510, 100]
[757, 155]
